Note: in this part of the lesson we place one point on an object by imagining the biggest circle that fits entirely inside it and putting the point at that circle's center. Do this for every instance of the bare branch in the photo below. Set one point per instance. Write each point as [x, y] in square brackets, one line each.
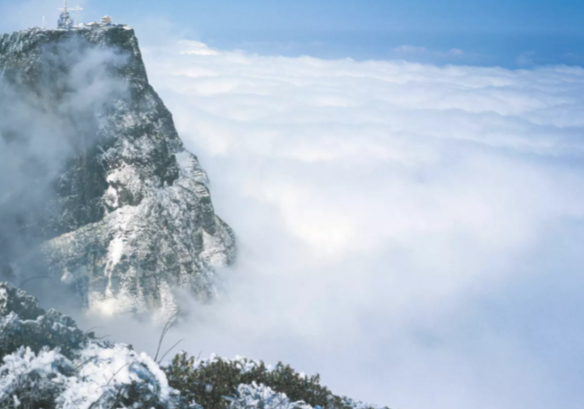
[118, 371]
[170, 349]
[169, 323]
[33, 278]
[92, 328]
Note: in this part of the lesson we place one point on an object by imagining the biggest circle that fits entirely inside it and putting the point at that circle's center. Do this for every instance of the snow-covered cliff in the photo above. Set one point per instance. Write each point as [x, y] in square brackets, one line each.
[102, 195]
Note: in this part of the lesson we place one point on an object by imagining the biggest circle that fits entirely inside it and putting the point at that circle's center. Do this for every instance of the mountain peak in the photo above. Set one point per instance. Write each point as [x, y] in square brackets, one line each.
[114, 207]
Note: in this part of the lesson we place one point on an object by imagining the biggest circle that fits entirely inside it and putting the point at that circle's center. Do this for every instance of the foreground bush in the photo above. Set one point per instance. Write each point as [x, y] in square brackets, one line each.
[214, 383]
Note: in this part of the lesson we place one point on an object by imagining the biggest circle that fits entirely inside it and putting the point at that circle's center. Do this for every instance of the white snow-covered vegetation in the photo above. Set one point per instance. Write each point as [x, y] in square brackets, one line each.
[48, 362]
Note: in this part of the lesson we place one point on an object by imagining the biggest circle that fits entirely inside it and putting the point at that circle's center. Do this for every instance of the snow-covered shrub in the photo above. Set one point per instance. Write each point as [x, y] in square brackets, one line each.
[263, 397]
[214, 382]
[16, 301]
[117, 376]
[24, 323]
[28, 380]
[47, 362]
[102, 376]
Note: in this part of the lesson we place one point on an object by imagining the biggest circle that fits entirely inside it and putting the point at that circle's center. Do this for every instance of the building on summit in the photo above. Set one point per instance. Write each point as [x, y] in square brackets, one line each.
[91, 25]
[66, 22]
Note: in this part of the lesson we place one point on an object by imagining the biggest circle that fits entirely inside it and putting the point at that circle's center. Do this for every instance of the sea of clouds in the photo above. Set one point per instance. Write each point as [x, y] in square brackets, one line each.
[411, 232]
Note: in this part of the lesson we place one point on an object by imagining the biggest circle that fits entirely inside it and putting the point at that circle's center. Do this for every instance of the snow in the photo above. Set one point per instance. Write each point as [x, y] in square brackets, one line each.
[261, 396]
[213, 251]
[111, 197]
[168, 305]
[245, 365]
[3, 298]
[107, 368]
[190, 167]
[22, 363]
[184, 160]
[107, 304]
[124, 178]
[116, 250]
[85, 373]
[101, 373]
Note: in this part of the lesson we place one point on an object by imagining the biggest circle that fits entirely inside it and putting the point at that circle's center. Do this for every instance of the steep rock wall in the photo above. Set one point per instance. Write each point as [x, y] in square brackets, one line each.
[112, 205]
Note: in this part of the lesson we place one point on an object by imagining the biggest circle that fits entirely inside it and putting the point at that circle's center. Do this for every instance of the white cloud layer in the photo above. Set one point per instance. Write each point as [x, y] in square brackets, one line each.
[411, 232]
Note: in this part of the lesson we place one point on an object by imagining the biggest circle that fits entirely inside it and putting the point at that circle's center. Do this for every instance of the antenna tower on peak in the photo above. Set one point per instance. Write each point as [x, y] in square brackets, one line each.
[65, 21]
[77, 10]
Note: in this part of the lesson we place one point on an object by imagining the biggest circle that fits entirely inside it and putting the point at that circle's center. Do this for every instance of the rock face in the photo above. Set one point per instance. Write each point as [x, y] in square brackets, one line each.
[99, 183]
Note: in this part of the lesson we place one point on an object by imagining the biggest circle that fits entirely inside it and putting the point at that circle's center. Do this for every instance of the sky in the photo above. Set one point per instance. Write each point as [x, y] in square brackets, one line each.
[410, 220]
[514, 33]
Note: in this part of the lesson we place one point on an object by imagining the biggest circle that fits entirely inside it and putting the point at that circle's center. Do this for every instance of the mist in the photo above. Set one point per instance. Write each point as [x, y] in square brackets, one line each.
[49, 124]
[410, 232]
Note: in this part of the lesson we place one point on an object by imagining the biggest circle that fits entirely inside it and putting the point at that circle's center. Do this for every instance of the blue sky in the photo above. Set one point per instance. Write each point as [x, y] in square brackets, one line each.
[489, 32]
[515, 33]
[532, 16]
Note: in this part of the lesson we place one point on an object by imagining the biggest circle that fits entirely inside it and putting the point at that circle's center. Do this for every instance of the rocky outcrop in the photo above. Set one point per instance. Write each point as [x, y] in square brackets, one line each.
[115, 207]
[47, 362]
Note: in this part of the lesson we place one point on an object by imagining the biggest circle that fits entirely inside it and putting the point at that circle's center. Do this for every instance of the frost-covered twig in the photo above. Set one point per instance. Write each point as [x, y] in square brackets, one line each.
[118, 371]
[165, 329]
[170, 349]
[107, 384]
[83, 364]
[32, 278]
[91, 329]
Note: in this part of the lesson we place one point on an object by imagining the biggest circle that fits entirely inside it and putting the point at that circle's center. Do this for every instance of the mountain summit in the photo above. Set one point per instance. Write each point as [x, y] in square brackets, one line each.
[98, 191]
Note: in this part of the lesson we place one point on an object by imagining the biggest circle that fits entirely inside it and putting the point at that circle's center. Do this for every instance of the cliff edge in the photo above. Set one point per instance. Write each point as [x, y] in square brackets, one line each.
[99, 192]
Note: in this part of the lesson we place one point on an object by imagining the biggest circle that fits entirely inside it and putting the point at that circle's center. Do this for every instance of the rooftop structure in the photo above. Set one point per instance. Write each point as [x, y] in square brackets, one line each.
[66, 22]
